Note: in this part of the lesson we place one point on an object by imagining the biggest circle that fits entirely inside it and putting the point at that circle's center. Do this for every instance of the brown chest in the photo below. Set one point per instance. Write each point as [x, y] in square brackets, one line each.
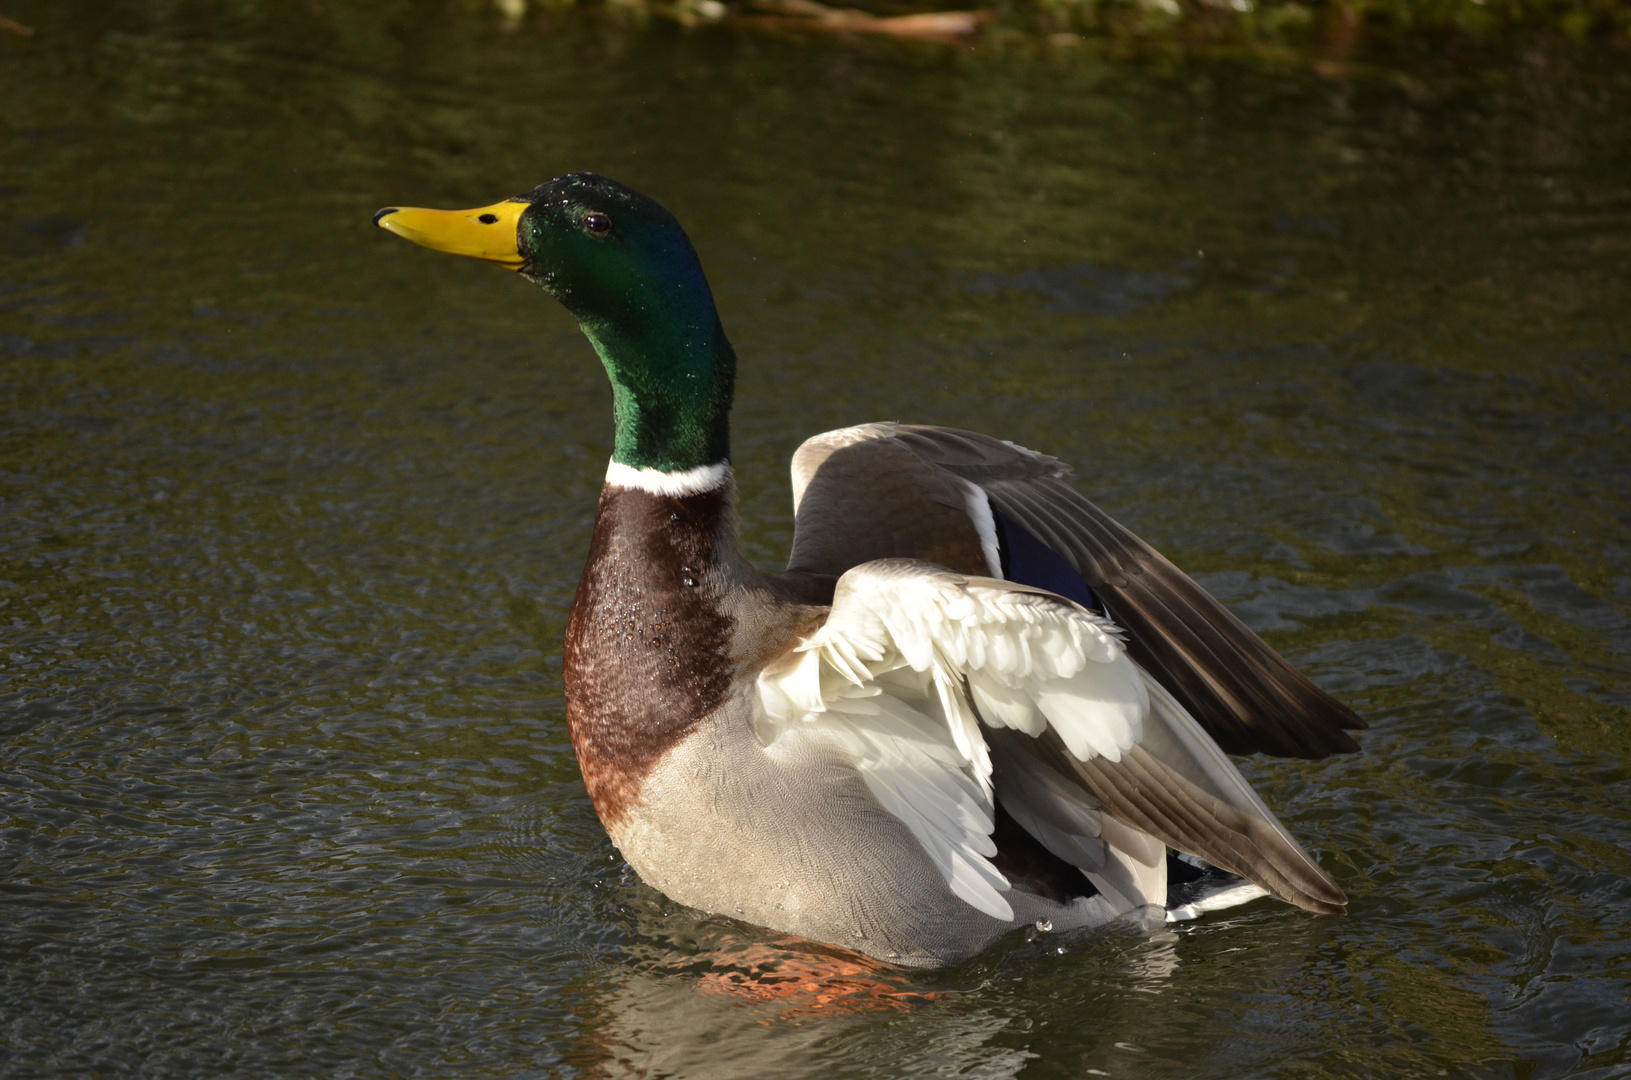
[647, 644]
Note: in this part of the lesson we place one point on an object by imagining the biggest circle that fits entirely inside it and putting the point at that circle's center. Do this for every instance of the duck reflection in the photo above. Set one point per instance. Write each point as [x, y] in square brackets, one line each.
[696, 997]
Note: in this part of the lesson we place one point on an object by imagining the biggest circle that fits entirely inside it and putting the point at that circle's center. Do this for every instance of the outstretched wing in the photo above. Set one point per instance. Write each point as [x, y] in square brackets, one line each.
[948, 496]
[954, 693]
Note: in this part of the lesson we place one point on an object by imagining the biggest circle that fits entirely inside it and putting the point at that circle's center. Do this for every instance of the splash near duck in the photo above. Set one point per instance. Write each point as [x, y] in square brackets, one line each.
[972, 703]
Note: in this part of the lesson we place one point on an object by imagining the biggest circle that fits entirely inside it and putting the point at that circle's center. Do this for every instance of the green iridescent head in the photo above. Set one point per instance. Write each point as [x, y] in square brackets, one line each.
[623, 266]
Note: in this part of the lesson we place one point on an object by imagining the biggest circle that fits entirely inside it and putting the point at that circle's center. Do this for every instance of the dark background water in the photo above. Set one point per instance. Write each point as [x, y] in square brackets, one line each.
[293, 512]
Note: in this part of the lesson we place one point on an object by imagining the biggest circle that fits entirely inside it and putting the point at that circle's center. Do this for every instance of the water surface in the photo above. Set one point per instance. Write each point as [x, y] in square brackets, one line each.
[293, 513]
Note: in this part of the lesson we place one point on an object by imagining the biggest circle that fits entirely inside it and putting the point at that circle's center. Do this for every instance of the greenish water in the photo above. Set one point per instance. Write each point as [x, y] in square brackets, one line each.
[293, 513]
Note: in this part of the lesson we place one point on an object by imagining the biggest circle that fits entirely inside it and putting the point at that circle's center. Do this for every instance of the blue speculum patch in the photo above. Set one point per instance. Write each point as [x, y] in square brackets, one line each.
[1029, 561]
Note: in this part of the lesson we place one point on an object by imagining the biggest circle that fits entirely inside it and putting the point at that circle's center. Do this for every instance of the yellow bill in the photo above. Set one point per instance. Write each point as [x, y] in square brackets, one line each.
[487, 232]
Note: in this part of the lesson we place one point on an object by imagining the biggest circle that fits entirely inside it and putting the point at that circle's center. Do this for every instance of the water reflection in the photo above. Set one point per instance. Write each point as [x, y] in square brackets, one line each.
[710, 998]
[716, 1000]
[657, 1024]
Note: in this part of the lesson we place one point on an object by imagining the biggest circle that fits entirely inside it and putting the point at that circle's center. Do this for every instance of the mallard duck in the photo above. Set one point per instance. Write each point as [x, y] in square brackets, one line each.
[973, 702]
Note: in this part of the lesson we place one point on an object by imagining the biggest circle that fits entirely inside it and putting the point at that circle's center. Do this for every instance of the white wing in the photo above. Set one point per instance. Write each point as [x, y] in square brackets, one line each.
[921, 674]
[898, 671]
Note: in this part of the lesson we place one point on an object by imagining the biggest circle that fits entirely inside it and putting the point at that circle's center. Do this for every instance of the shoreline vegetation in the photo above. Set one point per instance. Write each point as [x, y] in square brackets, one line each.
[1326, 31]
[1333, 38]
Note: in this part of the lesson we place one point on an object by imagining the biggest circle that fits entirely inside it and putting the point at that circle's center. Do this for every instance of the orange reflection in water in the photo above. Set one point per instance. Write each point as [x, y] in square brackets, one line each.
[813, 982]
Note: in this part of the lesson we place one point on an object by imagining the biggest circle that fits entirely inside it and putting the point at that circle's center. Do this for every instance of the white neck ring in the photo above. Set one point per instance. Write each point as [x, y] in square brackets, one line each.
[675, 485]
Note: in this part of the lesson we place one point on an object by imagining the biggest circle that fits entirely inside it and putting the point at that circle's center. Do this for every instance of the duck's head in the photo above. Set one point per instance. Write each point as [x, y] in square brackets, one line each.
[623, 266]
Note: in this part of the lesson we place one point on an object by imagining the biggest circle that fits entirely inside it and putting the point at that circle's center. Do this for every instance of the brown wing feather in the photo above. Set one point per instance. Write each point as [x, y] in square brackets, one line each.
[1155, 795]
[1142, 791]
[1242, 692]
[875, 499]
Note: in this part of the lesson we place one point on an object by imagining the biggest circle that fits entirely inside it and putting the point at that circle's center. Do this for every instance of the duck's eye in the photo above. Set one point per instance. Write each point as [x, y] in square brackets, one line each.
[488, 219]
[597, 223]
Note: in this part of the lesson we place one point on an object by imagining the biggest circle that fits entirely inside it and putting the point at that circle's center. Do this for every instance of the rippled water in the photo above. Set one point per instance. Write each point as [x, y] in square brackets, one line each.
[293, 513]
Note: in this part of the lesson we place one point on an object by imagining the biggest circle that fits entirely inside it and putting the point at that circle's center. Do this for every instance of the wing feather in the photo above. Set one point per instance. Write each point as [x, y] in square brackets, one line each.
[1246, 696]
[954, 693]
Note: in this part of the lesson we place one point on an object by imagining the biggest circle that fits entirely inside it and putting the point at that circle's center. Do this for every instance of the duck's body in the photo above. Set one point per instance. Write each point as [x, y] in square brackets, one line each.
[929, 731]
[668, 636]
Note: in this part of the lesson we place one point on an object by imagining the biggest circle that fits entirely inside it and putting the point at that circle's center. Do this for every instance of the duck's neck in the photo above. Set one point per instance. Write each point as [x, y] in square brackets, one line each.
[672, 382]
[648, 644]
